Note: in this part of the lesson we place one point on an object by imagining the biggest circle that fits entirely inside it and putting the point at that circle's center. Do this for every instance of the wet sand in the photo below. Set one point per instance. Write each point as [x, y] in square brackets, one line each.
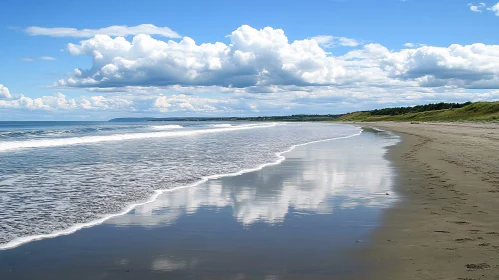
[447, 225]
[295, 220]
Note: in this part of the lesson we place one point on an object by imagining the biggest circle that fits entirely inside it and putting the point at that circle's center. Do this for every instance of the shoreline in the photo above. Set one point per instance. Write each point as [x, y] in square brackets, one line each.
[319, 203]
[154, 196]
[445, 226]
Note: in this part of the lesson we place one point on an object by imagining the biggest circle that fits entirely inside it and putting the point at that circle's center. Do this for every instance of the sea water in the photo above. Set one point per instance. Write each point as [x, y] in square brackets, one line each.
[57, 177]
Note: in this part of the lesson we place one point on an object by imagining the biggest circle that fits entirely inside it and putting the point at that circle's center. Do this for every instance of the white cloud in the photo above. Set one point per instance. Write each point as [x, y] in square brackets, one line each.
[104, 103]
[471, 66]
[114, 30]
[477, 8]
[495, 9]
[262, 72]
[146, 102]
[127, 103]
[30, 59]
[254, 58]
[47, 58]
[4, 92]
[328, 41]
[182, 102]
[260, 59]
[413, 45]
[161, 103]
[47, 103]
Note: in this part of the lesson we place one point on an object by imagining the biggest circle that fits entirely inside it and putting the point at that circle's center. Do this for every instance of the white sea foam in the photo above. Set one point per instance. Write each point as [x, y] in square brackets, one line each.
[166, 127]
[378, 129]
[280, 158]
[222, 125]
[14, 145]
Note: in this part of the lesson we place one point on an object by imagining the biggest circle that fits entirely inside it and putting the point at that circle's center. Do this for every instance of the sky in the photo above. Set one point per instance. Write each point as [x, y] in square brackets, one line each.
[97, 60]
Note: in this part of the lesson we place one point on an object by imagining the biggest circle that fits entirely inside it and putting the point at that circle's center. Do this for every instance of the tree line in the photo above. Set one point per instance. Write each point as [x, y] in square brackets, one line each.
[416, 109]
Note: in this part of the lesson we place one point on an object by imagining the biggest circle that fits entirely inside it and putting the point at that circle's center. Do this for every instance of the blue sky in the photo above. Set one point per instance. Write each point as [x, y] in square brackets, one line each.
[272, 57]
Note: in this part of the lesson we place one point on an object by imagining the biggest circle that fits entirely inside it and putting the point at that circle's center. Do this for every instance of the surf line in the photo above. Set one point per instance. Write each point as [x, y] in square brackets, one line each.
[14, 145]
[74, 228]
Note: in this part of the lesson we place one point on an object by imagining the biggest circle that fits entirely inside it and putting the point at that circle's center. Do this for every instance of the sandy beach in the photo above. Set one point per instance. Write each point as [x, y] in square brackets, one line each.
[446, 226]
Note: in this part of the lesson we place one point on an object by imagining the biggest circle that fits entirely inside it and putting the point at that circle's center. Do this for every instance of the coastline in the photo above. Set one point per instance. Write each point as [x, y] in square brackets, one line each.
[154, 196]
[322, 202]
[445, 226]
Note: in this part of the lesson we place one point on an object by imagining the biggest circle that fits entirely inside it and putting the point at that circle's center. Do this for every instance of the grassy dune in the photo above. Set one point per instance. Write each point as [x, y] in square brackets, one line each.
[478, 111]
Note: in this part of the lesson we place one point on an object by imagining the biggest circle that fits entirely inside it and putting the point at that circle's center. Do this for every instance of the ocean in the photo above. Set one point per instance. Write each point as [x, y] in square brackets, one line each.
[58, 177]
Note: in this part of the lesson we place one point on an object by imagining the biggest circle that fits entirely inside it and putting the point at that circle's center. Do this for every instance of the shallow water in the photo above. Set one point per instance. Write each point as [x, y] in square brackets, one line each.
[294, 220]
[56, 177]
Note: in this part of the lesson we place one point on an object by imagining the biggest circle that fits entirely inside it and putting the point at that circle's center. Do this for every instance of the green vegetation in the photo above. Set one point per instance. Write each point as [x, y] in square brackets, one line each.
[416, 109]
[478, 111]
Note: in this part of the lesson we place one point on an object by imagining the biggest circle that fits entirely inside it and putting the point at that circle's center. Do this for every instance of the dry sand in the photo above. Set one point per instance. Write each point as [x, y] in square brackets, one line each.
[447, 225]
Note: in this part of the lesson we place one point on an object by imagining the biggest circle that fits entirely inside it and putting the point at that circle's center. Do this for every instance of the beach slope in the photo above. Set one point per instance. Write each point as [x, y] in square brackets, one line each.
[447, 225]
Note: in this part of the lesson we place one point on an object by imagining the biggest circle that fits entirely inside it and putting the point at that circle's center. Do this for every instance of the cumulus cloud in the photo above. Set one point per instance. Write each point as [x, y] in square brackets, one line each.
[114, 30]
[259, 71]
[279, 101]
[127, 103]
[494, 9]
[457, 66]
[58, 101]
[4, 92]
[182, 102]
[477, 8]
[471, 66]
[262, 59]
[254, 58]
[413, 45]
